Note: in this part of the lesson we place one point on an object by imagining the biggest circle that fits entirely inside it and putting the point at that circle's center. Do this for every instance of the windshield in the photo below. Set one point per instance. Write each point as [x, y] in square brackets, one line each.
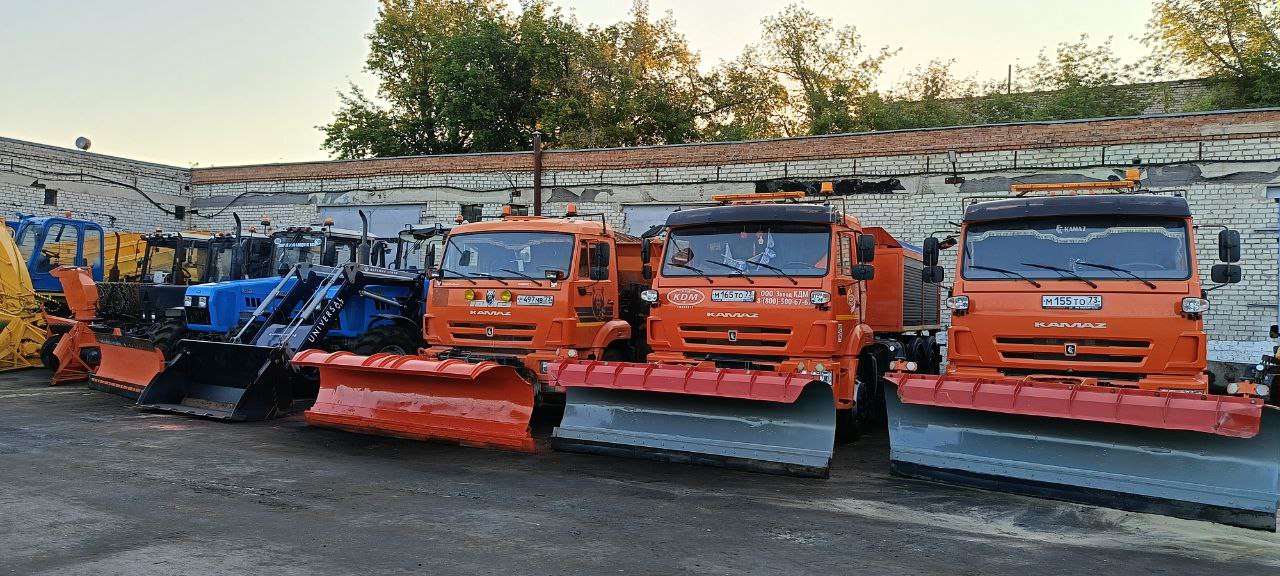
[507, 255]
[159, 261]
[27, 240]
[290, 249]
[413, 251]
[1096, 247]
[754, 249]
[222, 252]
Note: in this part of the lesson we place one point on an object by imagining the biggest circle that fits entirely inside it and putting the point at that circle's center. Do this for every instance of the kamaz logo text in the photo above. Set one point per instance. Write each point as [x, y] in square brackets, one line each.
[1096, 325]
[732, 315]
[490, 313]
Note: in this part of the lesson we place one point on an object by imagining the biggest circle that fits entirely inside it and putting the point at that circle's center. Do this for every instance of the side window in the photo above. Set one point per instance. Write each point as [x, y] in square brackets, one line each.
[584, 260]
[59, 247]
[472, 212]
[345, 253]
[93, 250]
[846, 255]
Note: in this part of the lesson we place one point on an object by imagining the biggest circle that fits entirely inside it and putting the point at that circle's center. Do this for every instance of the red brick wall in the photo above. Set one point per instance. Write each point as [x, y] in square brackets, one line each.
[966, 139]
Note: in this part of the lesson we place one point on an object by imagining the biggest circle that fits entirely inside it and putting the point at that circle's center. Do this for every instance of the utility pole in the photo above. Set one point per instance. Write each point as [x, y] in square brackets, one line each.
[1008, 84]
[537, 173]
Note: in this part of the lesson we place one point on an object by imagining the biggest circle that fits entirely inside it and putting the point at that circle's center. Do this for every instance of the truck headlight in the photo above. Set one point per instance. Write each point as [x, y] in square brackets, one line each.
[958, 302]
[650, 296]
[1193, 305]
[820, 297]
[186, 301]
[1233, 388]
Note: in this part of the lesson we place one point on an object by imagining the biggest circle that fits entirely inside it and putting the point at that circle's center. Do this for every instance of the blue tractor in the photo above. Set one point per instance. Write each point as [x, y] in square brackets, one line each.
[334, 292]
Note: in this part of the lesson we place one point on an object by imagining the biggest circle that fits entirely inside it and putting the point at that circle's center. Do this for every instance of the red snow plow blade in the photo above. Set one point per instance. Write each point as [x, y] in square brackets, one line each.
[1059, 398]
[753, 420]
[474, 404]
[127, 365]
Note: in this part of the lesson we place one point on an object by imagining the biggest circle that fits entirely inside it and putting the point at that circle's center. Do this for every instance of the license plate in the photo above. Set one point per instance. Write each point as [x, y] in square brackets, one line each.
[1072, 302]
[534, 300]
[733, 295]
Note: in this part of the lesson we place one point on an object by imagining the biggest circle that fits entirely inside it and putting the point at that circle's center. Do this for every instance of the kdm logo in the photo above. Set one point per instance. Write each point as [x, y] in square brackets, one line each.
[686, 297]
[1098, 325]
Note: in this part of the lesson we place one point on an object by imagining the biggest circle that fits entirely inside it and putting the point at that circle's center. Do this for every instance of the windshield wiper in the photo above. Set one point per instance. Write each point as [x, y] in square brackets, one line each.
[1149, 283]
[1003, 271]
[1062, 271]
[488, 276]
[520, 274]
[460, 274]
[700, 273]
[774, 268]
[737, 271]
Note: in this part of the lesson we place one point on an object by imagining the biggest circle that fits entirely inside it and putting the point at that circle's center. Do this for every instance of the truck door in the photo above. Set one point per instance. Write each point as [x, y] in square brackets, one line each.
[846, 298]
[595, 294]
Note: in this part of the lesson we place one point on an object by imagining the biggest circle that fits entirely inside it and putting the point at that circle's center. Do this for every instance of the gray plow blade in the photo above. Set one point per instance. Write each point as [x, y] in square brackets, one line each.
[1170, 472]
[794, 439]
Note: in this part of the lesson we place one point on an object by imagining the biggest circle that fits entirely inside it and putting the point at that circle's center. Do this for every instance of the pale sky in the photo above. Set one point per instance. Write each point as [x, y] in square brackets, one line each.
[185, 82]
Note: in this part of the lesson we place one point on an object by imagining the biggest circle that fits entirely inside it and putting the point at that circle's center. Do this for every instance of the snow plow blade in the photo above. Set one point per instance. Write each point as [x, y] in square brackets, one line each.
[747, 420]
[222, 380]
[1194, 456]
[474, 404]
[126, 365]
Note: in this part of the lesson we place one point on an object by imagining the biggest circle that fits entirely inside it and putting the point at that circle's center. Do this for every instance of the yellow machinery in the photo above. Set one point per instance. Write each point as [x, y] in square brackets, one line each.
[22, 322]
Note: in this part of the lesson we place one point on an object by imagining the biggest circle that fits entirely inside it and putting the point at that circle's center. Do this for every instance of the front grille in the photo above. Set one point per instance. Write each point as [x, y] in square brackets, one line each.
[1119, 377]
[756, 336]
[197, 315]
[479, 332]
[1092, 350]
[252, 302]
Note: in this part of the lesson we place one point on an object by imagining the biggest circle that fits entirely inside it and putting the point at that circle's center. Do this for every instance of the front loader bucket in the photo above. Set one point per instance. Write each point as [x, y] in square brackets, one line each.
[1167, 464]
[126, 365]
[474, 404]
[222, 380]
[749, 420]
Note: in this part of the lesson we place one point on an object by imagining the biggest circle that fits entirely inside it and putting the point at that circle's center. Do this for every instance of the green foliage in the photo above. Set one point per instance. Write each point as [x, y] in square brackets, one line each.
[1232, 42]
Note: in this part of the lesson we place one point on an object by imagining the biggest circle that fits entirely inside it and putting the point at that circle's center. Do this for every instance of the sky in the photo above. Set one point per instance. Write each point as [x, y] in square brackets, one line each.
[194, 83]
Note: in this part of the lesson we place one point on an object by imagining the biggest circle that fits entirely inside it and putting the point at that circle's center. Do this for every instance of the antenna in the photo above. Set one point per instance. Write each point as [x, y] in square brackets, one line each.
[83, 143]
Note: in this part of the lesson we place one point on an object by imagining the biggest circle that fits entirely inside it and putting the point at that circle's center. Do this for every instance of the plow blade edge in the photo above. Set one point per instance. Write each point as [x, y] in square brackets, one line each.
[748, 420]
[474, 404]
[1176, 463]
[222, 380]
[126, 365]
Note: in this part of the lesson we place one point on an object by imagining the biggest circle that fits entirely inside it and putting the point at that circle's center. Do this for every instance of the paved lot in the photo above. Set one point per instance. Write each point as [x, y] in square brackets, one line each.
[90, 485]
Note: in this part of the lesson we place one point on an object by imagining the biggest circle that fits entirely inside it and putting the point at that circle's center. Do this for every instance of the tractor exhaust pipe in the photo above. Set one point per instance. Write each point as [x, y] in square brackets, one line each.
[364, 238]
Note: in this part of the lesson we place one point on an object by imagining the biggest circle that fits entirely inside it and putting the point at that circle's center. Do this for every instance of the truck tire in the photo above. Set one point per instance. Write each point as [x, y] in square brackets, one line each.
[167, 334]
[388, 339]
[47, 357]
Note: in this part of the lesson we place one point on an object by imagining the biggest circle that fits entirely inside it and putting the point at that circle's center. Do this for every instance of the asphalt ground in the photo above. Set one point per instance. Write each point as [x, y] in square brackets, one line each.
[91, 485]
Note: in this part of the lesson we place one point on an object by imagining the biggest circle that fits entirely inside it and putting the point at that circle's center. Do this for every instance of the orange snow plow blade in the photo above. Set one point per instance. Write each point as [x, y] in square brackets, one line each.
[474, 404]
[126, 365]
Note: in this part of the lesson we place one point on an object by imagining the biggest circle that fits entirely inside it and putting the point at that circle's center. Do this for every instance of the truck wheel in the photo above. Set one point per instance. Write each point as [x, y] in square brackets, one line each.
[166, 335]
[854, 423]
[47, 358]
[388, 339]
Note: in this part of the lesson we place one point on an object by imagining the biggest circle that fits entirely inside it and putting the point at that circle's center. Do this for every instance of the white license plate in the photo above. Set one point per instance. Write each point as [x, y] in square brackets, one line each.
[733, 295]
[1072, 302]
[534, 300]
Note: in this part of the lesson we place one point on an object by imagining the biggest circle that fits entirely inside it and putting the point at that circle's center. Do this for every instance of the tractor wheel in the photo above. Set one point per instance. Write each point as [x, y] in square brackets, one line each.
[47, 358]
[167, 334]
[388, 339]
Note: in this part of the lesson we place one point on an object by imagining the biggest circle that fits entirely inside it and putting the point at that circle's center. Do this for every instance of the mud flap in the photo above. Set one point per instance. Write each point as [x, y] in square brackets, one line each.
[222, 380]
[747, 420]
[1174, 472]
[474, 404]
[126, 366]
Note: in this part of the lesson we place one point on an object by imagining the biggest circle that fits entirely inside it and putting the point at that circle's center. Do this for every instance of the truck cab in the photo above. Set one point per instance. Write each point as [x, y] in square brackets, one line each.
[788, 287]
[1102, 289]
[525, 290]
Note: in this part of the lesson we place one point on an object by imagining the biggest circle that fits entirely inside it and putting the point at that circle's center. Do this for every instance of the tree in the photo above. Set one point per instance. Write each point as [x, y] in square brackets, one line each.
[1232, 42]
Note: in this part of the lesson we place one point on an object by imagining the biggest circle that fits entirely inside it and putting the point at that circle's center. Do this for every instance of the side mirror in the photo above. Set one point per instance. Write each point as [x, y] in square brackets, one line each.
[431, 256]
[866, 248]
[930, 252]
[863, 272]
[932, 274]
[646, 271]
[1229, 246]
[1226, 274]
[645, 252]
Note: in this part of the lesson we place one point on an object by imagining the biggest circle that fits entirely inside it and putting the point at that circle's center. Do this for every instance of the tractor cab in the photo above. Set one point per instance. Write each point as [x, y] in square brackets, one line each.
[47, 242]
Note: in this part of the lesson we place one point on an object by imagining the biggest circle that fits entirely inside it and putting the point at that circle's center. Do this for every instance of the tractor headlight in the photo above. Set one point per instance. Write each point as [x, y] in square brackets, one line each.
[186, 301]
[202, 301]
[912, 366]
[1233, 388]
[650, 296]
[1263, 390]
[820, 297]
[1195, 305]
[958, 302]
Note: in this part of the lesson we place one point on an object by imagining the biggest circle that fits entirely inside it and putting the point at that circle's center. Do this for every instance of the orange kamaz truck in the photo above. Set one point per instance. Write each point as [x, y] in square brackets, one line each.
[1076, 362]
[509, 298]
[772, 323]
